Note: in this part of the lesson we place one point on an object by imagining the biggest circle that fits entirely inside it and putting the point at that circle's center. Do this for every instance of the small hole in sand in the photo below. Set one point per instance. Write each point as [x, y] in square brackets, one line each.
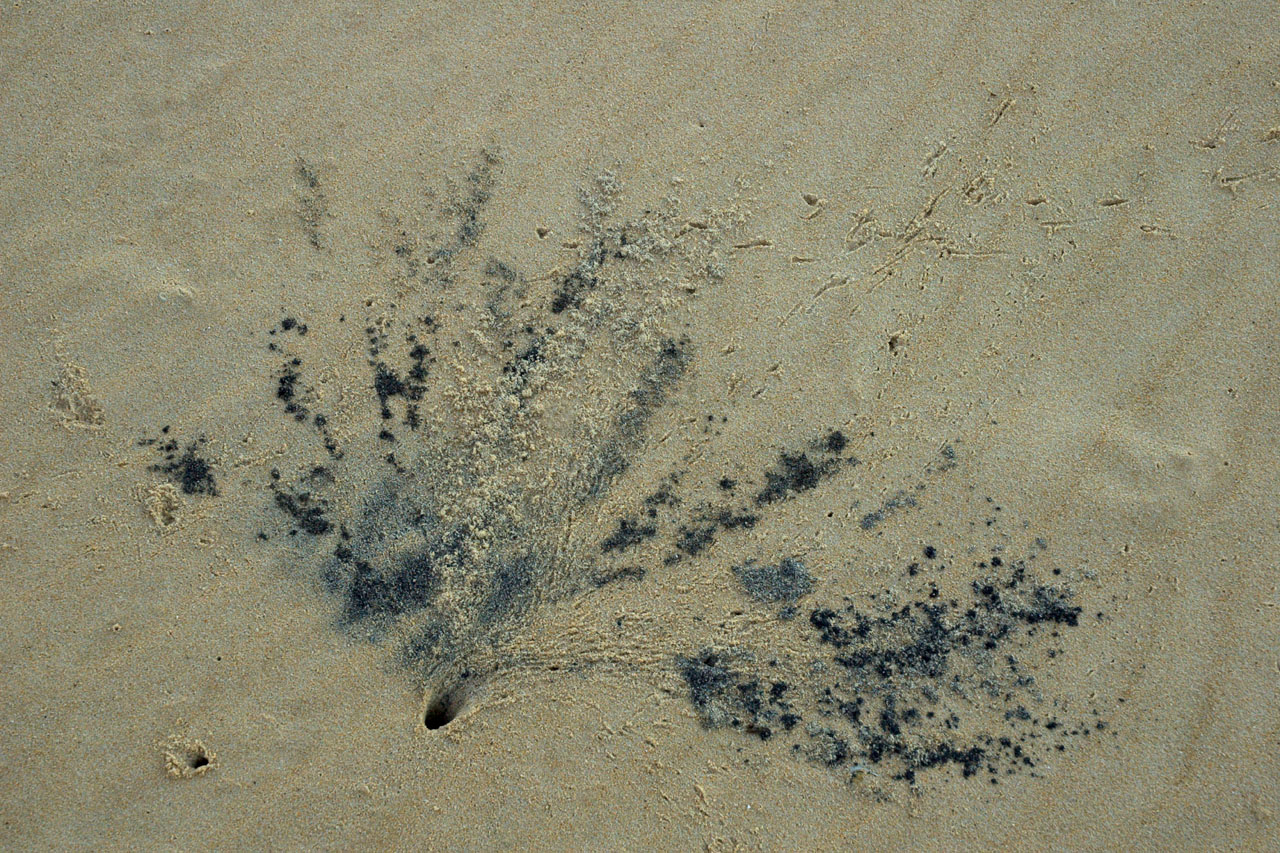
[443, 710]
[188, 759]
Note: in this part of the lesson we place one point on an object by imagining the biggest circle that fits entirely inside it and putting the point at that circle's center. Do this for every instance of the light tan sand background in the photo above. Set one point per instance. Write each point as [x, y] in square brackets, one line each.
[1046, 236]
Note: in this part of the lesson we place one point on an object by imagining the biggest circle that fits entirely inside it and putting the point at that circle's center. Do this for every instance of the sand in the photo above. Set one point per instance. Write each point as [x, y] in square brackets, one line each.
[740, 426]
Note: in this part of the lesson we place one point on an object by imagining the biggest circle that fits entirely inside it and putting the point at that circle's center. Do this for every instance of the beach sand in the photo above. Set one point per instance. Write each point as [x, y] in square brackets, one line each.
[665, 426]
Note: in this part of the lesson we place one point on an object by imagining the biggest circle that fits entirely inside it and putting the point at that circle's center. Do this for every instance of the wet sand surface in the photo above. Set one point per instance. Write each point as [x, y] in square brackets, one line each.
[733, 426]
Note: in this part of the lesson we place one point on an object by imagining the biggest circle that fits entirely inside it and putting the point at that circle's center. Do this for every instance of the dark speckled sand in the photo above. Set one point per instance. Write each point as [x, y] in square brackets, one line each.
[670, 426]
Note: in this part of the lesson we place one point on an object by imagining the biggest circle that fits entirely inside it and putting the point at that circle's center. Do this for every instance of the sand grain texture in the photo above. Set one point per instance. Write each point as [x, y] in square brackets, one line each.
[681, 426]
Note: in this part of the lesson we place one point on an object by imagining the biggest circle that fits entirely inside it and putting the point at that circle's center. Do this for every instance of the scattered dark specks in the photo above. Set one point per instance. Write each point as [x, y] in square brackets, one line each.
[663, 496]
[899, 500]
[785, 581]
[499, 270]
[902, 685]
[945, 461]
[665, 370]
[585, 277]
[313, 207]
[797, 472]
[696, 532]
[517, 434]
[470, 527]
[694, 539]
[287, 388]
[479, 186]
[629, 533]
[386, 384]
[187, 468]
[722, 696]
[291, 324]
[305, 510]
[736, 520]
[296, 397]
[391, 561]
